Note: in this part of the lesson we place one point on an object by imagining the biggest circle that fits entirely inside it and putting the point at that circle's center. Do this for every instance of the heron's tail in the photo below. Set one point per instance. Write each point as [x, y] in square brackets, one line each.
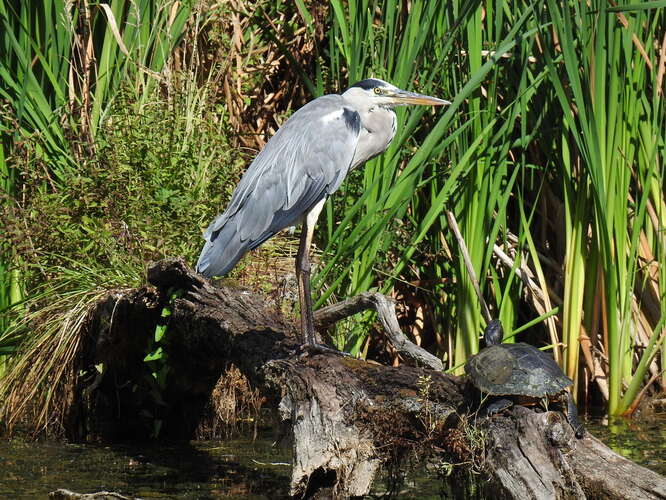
[222, 250]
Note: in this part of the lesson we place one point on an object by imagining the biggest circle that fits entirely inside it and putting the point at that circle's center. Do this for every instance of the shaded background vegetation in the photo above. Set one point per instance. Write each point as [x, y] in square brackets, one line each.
[125, 126]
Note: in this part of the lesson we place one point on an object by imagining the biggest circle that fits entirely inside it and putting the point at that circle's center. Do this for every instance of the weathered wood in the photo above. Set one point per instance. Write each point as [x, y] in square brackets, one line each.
[385, 308]
[535, 455]
[63, 494]
[348, 417]
[603, 473]
[333, 402]
[343, 411]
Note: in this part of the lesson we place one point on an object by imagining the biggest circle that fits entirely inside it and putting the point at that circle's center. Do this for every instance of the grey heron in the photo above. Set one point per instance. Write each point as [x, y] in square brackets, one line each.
[297, 170]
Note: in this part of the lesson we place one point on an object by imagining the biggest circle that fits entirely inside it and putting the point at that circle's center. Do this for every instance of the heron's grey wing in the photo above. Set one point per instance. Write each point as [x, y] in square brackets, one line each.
[305, 161]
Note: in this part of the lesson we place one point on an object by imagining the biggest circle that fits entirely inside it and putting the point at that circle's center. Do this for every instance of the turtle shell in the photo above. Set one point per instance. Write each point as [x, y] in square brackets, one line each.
[516, 369]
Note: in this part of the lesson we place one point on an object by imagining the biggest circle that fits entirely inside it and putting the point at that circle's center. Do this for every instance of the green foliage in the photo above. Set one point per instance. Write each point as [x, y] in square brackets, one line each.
[34, 76]
[550, 158]
[455, 160]
[143, 163]
[172, 168]
[45, 69]
[61, 65]
[161, 170]
[611, 155]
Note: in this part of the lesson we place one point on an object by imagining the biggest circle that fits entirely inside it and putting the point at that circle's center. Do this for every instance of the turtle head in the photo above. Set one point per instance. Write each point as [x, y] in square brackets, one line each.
[493, 333]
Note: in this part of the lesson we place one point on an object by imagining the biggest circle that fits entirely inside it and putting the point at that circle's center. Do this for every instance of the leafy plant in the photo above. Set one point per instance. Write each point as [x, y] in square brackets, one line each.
[61, 65]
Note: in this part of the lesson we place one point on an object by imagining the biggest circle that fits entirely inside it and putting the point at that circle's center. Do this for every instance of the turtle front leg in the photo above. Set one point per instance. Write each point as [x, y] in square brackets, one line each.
[497, 406]
[572, 416]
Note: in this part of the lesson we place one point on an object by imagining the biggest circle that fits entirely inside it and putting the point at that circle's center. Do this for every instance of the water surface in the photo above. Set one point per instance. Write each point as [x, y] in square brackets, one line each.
[641, 439]
[243, 469]
[206, 469]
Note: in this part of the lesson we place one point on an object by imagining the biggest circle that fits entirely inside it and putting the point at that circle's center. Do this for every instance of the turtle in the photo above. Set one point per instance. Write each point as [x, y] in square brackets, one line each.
[519, 373]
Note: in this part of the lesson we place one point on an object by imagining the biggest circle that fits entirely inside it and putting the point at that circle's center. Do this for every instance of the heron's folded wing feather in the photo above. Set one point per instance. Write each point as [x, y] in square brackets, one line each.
[305, 161]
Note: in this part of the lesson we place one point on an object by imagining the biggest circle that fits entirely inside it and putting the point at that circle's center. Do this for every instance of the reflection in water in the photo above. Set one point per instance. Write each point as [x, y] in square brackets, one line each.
[641, 439]
[243, 469]
[234, 469]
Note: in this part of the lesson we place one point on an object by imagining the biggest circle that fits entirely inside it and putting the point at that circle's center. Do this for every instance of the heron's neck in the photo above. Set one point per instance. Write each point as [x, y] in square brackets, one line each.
[377, 132]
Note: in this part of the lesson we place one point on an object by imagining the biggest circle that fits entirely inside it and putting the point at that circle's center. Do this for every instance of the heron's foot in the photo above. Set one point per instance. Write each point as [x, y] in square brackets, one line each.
[312, 348]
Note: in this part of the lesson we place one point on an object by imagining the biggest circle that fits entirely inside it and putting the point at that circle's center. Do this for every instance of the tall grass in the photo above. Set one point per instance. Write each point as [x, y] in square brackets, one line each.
[61, 64]
[157, 166]
[604, 71]
[6, 299]
[59, 57]
[38, 385]
[460, 159]
[551, 159]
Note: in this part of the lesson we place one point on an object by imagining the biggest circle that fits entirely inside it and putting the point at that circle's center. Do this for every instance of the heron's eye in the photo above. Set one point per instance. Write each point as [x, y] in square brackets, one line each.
[378, 90]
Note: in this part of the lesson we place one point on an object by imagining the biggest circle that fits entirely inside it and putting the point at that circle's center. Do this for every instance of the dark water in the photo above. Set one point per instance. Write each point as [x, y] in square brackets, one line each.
[642, 439]
[237, 469]
[240, 469]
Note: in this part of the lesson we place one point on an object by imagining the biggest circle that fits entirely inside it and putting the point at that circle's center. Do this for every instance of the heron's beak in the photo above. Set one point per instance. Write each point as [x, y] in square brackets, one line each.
[403, 98]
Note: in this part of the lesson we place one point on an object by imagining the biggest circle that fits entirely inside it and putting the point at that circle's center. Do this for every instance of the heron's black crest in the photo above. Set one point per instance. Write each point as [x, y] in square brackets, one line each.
[369, 83]
[352, 120]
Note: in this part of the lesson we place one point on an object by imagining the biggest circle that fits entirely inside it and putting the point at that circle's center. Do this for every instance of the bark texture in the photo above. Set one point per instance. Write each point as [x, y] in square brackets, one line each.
[349, 417]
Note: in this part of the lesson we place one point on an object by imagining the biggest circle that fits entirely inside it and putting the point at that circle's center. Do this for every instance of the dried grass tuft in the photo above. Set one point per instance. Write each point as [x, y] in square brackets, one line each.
[233, 403]
[36, 392]
[253, 51]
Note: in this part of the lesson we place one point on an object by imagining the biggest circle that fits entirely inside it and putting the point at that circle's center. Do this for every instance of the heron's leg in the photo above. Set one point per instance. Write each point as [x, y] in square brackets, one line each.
[303, 273]
[304, 295]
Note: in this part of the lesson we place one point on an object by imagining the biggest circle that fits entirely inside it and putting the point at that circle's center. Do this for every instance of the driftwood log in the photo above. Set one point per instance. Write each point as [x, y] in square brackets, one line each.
[347, 417]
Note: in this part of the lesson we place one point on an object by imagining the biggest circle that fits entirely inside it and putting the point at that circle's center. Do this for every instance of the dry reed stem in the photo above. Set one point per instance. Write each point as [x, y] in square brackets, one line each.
[233, 400]
[255, 63]
[637, 43]
[662, 67]
[468, 264]
[540, 298]
[545, 295]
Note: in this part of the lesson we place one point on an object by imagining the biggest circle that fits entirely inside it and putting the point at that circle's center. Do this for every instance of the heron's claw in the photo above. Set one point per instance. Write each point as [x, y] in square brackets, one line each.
[310, 349]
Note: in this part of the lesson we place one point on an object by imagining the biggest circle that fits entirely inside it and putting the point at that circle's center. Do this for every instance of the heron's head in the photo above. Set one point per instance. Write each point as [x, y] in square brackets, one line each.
[374, 92]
